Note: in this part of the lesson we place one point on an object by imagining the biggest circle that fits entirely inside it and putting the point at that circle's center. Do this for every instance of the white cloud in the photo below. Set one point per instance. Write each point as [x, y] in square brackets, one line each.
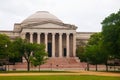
[86, 14]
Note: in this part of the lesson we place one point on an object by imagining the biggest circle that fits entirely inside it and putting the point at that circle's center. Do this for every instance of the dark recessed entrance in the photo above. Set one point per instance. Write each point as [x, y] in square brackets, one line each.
[64, 52]
[49, 49]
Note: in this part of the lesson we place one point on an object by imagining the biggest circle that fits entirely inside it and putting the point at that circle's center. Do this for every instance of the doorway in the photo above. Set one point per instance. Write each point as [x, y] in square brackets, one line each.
[64, 52]
[49, 49]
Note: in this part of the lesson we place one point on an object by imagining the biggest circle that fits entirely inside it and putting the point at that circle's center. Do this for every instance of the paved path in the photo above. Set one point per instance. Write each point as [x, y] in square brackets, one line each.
[75, 72]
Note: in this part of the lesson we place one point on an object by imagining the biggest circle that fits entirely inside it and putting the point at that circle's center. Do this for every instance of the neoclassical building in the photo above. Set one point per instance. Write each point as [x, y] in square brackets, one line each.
[60, 38]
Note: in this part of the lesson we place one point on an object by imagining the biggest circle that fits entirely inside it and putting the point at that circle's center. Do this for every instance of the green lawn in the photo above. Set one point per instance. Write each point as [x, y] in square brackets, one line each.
[68, 77]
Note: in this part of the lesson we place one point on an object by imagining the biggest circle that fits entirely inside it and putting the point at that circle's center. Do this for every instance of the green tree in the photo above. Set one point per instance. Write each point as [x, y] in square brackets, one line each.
[94, 39]
[94, 55]
[80, 50]
[14, 55]
[24, 48]
[39, 56]
[93, 50]
[111, 34]
[28, 50]
[4, 48]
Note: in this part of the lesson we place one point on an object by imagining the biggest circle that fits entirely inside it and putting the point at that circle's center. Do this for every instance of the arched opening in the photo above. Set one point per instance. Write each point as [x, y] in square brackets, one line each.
[35, 38]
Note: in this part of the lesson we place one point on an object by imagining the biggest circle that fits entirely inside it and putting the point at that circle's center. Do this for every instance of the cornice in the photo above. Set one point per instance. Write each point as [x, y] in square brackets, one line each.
[86, 32]
[27, 25]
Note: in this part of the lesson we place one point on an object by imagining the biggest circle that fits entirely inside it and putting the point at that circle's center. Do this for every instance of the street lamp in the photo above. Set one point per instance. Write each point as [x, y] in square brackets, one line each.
[7, 56]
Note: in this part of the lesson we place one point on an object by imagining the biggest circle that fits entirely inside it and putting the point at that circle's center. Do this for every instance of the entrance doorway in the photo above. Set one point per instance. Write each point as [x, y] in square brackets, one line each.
[49, 49]
[64, 52]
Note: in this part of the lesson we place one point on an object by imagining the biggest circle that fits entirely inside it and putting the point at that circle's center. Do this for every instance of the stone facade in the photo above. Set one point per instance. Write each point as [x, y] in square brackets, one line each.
[42, 27]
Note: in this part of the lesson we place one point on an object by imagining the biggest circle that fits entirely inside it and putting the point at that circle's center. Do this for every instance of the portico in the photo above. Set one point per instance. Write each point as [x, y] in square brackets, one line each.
[57, 44]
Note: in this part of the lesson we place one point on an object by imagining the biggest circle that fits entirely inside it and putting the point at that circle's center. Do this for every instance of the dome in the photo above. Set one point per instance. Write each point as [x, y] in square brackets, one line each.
[41, 16]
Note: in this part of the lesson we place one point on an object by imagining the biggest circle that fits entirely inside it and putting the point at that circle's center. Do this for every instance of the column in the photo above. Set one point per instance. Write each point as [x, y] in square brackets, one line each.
[74, 45]
[31, 37]
[53, 44]
[38, 38]
[60, 44]
[67, 45]
[46, 41]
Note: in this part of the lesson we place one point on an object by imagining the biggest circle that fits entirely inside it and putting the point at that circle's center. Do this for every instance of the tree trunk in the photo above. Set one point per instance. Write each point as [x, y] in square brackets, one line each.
[106, 67]
[96, 67]
[114, 67]
[8, 67]
[28, 66]
[14, 68]
[39, 68]
[5, 67]
[87, 66]
[114, 64]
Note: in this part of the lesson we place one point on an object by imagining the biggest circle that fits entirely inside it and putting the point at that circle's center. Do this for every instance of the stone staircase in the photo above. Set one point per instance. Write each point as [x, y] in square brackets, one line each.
[57, 63]
[60, 63]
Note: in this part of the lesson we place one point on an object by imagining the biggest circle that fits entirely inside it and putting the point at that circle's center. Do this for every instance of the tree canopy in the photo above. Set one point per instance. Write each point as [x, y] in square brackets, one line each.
[111, 34]
[29, 50]
[4, 47]
[39, 56]
[93, 53]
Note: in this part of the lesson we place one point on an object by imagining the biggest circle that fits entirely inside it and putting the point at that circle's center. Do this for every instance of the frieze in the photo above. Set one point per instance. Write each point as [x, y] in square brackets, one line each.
[26, 25]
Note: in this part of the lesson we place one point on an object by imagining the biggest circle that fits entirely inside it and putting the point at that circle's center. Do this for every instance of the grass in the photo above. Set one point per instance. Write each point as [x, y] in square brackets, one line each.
[58, 77]
[55, 77]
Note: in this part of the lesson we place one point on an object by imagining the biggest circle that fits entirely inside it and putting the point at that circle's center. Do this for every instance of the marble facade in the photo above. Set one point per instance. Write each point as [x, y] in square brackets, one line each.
[60, 38]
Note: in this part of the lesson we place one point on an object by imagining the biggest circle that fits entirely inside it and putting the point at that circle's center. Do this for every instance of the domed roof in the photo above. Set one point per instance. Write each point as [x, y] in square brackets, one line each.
[41, 16]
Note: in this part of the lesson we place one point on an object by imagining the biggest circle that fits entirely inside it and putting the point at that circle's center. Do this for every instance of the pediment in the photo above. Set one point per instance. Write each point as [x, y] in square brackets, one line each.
[48, 26]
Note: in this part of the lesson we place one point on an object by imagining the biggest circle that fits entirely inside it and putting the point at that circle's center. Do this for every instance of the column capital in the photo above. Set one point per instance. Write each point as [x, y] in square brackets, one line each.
[38, 33]
[60, 33]
[46, 33]
[53, 33]
[31, 33]
[67, 33]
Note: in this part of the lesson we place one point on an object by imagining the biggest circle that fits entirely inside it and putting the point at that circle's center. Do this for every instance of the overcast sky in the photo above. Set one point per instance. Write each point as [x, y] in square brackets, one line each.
[85, 14]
